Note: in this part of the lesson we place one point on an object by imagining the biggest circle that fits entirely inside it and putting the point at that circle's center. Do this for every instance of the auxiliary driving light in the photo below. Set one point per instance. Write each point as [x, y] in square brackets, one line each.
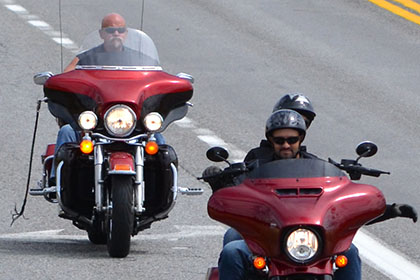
[153, 121]
[88, 120]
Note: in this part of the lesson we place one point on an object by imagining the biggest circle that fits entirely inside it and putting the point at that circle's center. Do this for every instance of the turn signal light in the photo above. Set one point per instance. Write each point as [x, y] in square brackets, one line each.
[259, 263]
[341, 261]
[86, 146]
[151, 148]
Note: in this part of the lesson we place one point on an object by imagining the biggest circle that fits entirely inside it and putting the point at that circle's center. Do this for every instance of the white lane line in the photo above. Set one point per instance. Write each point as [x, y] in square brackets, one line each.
[182, 231]
[370, 249]
[385, 260]
[210, 138]
[41, 25]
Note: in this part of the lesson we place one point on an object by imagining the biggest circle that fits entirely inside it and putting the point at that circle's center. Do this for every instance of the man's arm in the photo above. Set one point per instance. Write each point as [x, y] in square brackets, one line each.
[72, 65]
[396, 210]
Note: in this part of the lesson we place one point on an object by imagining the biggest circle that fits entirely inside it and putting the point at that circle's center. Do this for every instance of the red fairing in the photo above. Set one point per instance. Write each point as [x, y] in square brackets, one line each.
[261, 209]
[110, 87]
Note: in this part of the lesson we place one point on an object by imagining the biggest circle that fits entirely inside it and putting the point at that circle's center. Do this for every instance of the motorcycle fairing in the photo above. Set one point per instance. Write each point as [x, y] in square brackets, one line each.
[72, 93]
[269, 202]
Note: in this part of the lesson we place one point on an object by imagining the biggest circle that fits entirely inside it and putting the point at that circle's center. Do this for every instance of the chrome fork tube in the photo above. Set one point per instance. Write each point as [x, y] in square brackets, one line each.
[99, 182]
[139, 184]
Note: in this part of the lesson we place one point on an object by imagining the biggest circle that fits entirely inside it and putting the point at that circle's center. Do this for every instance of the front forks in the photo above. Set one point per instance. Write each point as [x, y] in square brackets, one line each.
[99, 180]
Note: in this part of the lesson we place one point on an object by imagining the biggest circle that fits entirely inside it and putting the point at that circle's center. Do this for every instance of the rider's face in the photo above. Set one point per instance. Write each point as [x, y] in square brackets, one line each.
[286, 143]
[113, 35]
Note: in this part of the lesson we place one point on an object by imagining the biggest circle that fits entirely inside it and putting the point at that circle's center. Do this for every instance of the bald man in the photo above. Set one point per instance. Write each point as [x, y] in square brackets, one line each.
[113, 31]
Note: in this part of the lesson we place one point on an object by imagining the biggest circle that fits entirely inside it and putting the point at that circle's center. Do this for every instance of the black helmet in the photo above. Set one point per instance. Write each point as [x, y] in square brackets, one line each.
[285, 118]
[297, 102]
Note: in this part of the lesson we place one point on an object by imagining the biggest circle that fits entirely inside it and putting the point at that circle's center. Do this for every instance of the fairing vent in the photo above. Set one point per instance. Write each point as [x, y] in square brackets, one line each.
[299, 192]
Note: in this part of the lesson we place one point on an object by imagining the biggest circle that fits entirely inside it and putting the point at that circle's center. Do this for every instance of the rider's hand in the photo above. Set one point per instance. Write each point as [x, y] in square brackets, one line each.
[404, 210]
[210, 172]
[209, 177]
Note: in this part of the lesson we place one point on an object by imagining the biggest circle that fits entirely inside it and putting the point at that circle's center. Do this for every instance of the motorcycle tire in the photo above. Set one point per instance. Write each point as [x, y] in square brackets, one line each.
[97, 237]
[120, 222]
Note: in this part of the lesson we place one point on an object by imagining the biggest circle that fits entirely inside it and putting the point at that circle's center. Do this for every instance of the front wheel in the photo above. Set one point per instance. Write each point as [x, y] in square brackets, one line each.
[121, 217]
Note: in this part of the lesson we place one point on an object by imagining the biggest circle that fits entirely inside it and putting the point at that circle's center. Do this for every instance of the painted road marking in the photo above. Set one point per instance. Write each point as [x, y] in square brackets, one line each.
[399, 10]
[55, 236]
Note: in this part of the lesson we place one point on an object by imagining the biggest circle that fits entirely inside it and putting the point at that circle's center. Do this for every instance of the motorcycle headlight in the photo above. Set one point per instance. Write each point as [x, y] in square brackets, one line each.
[120, 120]
[88, 120]
[302, 245]
[153, 121]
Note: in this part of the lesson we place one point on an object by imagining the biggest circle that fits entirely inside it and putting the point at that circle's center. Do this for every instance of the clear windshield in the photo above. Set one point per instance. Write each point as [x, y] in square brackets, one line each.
[296, 168]
[118, 48]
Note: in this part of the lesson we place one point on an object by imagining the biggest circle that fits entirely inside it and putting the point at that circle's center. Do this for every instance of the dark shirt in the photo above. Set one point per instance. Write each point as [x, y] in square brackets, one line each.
[127, 57]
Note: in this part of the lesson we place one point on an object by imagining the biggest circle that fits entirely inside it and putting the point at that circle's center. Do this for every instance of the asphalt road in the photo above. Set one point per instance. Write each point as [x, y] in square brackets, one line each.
[358, 63]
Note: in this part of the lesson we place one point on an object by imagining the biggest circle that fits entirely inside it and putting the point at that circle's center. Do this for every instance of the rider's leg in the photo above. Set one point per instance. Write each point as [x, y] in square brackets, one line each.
[159, 139]
[235, 261]
[231, 235]
[66, 134]
[353, 270]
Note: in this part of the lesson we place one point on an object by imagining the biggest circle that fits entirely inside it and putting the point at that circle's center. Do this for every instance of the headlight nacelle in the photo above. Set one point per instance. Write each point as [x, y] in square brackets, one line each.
[302, 245]
[120, 120]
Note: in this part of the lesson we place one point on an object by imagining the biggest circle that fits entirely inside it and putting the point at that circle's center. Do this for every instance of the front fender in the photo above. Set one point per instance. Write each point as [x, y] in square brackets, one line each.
[121, 163]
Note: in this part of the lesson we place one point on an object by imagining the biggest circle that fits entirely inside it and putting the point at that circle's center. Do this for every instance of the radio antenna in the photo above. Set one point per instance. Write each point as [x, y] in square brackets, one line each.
[142, 14]
[61, 35]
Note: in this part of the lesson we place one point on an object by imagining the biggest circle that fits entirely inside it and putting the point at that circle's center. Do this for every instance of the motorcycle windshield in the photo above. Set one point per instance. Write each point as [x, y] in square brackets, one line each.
[296, 168]
[118, 49]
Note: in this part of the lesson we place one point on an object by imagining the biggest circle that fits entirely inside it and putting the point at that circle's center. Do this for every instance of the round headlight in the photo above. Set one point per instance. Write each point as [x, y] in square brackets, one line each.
[120, 120]
[302, 245]
[88, 120]
[153, 121]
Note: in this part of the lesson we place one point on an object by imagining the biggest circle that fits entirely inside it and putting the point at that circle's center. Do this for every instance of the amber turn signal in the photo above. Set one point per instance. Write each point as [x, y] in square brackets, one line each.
[152, 148]
[341, 261]
[86, 146]
[259, 263]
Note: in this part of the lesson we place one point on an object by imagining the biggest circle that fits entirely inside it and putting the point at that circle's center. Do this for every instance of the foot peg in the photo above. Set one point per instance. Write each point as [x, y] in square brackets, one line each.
[43, 191]
[190, 191]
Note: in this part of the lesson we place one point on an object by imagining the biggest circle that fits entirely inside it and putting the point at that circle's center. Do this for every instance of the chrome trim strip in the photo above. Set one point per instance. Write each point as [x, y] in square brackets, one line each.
[139, 187]
[121, 172]
[175, 185]
[118, 139]
[98, 161]
[126, 68]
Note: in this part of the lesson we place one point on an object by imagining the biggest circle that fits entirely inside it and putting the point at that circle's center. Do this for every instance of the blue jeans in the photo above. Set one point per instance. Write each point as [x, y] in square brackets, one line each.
[67, 134]
[235, 260]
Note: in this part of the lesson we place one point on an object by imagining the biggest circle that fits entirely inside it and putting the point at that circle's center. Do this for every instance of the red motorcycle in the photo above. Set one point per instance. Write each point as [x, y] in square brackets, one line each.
[297, 216]
[117, 181]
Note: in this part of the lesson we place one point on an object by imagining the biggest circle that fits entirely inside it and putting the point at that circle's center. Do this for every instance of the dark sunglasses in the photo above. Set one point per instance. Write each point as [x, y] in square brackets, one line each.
[111, 30]
[282, 140]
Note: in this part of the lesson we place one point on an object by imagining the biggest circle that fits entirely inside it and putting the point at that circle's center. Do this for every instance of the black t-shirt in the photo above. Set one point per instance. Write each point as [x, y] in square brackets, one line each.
[126, 57]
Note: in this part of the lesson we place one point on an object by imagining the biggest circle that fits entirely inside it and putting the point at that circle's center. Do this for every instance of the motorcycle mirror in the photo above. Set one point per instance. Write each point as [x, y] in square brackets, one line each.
[366, 149]
[186, 77]
[217, 154]
[42, 77]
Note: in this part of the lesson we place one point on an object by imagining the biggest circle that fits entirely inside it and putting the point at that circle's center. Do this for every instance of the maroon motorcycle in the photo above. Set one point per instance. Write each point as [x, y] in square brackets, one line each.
[297, 216]
[118, 180]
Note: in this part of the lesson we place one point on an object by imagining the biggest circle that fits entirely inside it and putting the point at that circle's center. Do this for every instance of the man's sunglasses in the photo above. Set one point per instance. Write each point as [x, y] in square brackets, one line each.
[282, 140]
[111, 30]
